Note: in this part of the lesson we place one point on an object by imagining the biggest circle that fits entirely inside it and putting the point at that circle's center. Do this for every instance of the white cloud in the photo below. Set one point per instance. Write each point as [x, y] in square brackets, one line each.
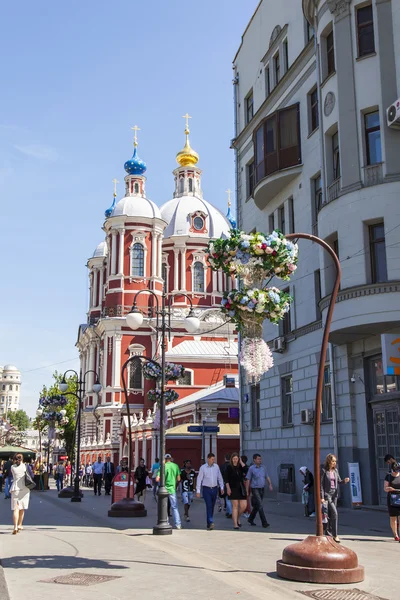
[38, 151]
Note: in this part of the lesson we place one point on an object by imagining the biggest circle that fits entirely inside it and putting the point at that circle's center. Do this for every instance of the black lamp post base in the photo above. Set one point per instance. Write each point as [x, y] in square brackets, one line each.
[76, 499]
[127, 507]
[162, 529]
[69, 492]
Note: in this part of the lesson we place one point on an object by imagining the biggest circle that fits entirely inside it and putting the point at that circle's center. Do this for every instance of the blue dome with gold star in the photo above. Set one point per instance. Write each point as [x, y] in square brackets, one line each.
[135, 165]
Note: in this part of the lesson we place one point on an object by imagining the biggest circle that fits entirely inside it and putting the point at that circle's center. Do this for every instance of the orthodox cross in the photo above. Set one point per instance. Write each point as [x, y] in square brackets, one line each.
[229, 196]
[187, 117]
[115, 181]
[135, 129]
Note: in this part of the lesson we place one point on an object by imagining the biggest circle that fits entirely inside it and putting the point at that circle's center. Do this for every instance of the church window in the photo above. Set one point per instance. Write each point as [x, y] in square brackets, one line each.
[190, 184]
[198, 223]
[198, 277]
[137, 260]
[186, 378]
[181, 185]
[135, 375]
[164, 274]
[136, 188]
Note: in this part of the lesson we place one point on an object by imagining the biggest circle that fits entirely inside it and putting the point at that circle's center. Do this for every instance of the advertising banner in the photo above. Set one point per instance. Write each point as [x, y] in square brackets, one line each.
[355, 484]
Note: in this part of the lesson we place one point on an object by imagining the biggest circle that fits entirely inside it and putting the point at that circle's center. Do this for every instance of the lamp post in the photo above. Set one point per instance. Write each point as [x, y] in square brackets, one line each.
[63, 386]
[134, 320]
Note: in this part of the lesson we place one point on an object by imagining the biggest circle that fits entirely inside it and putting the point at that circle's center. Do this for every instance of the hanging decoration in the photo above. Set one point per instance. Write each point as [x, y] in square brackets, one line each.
[172, 371]
[52, 406]
[255, 259]
[169, 395]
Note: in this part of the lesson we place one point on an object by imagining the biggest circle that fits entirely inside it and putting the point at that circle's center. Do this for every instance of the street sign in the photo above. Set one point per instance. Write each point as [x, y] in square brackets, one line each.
[233, 412]
[195, 428]
[211, 428]
[199, 428]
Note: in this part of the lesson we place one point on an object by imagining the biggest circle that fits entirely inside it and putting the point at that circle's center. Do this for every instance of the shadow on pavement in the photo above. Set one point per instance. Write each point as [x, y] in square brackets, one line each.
[54, 561]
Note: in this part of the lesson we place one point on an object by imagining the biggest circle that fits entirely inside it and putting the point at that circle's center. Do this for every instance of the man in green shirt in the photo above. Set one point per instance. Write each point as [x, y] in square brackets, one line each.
[172, 478]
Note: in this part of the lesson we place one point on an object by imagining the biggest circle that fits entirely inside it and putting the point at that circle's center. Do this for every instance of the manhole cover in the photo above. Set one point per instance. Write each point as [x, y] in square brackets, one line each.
[341, 595]
[80, 579]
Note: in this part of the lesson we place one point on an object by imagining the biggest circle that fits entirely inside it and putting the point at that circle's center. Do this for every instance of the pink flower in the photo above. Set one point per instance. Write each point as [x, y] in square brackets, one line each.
[269, 250]
[291, 268]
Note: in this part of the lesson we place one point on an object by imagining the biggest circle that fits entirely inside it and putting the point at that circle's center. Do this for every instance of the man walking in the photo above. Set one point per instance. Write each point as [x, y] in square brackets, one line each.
[155, 469]
[228, 503]
[60, 475]
[172, 478]
[109, 473]
[98, 471]
[210, 479]
[256, 478]
[188, 475]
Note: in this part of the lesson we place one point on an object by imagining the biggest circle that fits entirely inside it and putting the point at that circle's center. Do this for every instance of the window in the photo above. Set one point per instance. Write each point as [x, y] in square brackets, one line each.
[135, 375]
[198, 277]
[3, 387]
[136, 188]
[181, 185]
[250, 178]
[373, 138]
[198, 223]
[186, 378]
[281, 219]
[255, 406]
[309, 32]
[267, 81]
[164, 275]
[327, 396]
[277, 142]
[317, 291]
[291, 215]
[330, 53]
[365, 31]
[336, 156]
[16, 388]
[380, 383]
[284, 325]
[277, 68]
[378, 253]
[137, 260]
[10, 387]
[249, 107]
[314, 116]
[287, 400]
[271, 222]
[318, 193]
[190, 184]
[285, 56]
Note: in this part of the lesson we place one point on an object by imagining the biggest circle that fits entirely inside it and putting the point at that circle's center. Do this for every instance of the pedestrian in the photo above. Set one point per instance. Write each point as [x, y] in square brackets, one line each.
[154, 474]
[236, 488]
[20, 494]
[172, 479]
[109, 473]
[88, 474]
[390, 460]
[98, 471]
[59, 475]
[256, 478]
[1, 475]
[7, 475]
[246, 467]
[68, 471]
[392, 488]
[228, 504]
[308, 492]
[330, 480]
[141, 473]
[210, 479]
[188, 476]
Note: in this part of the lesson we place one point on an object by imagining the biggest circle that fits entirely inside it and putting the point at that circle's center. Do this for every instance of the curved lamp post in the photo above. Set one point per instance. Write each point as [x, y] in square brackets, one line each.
[63, 387]
[134, 320]
[319, 559]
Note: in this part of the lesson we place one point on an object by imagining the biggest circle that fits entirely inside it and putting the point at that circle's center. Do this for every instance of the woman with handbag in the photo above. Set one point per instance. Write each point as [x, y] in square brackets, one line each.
[141, 473]
[392, 488]
[330, 481]
[235, 488]
[20, 492]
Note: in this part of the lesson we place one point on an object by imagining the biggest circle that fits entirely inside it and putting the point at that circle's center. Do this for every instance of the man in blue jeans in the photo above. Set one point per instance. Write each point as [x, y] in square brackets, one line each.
[210, 479]
[172, 479]
[256, 478]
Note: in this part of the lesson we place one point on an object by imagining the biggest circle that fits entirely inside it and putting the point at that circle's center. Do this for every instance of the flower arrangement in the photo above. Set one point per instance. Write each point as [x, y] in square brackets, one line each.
[55, 400]
[172, 371]
[269, 303]
[54, 415]
[254, 256]
[169, 395]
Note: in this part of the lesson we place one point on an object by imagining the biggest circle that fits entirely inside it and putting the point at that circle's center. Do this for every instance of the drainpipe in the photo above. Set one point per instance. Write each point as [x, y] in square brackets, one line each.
[320, 110]
[333, 396]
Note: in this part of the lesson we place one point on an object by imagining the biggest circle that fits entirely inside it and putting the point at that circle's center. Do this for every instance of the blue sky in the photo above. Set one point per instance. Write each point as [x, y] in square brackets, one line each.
[76, 76]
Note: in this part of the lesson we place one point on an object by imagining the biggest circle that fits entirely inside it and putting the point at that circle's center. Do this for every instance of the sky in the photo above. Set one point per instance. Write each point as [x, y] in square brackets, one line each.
[75, 76]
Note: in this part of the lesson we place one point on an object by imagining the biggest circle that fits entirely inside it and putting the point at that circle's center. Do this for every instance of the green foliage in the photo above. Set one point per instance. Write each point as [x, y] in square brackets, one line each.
[19, 419]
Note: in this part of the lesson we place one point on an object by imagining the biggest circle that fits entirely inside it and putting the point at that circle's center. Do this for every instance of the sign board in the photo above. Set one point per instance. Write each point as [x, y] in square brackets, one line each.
[119, 487]
[195, 428]
[233, 413]
[391, 354]
[199, 428]
[211, 428]
[355, 484]
[230, 382]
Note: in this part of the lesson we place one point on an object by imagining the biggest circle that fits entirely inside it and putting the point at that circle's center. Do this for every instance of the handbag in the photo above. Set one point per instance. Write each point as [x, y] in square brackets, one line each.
[29, 482]
[243, 490]
[394, 499]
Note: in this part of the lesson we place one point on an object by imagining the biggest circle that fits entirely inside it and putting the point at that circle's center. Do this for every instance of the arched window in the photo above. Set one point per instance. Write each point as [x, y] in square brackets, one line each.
[164, 274]
[181, 185]
[198, 277]
[190, 184]
[136, 188]
[137, 260]
[10, 388]
[135, 375]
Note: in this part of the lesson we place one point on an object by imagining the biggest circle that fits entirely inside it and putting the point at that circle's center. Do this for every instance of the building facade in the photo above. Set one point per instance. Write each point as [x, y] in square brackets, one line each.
[146, 248]
[10, 388]
[315, 154]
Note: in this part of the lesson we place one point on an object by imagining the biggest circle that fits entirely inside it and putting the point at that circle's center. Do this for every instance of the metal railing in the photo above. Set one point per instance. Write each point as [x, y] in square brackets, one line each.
[333, 190]
[373, 175]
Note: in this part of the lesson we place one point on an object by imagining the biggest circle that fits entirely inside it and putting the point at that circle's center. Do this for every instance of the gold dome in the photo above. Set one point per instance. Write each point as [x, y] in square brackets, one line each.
[187, 157]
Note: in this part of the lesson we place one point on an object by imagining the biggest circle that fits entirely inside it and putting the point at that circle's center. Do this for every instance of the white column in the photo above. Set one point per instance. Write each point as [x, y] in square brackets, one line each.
[121, 251]
[183, 269]
[105, 360]
[117, 360]
[101, 285]
[94, 303]
[144, 446]
[136, 450]
[154, 250]
[113, 253]
[214, 281]
[91, 367]
[220, 287]
[153, 448]
[176, 269]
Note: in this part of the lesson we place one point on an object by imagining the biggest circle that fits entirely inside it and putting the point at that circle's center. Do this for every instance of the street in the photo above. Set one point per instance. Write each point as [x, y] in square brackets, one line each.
[61, 538]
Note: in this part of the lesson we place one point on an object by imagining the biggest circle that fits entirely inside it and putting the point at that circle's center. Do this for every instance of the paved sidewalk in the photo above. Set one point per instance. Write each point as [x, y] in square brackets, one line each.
[62, 538]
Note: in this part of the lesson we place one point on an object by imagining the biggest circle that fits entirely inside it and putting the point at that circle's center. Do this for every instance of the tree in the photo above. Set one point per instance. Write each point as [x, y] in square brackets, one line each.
[19, 419]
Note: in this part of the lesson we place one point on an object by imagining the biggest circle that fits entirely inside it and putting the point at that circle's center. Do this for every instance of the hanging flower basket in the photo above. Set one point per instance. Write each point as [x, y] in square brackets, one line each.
[53, 401]
[169, 395]
[172, 371]
[255, 305]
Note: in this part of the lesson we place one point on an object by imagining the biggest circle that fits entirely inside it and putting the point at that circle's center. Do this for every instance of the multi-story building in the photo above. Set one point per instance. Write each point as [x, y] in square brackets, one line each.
[317, 153]
[10, 387]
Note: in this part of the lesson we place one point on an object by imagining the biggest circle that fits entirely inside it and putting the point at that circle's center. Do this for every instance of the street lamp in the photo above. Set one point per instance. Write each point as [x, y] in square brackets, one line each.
[63, 387]
[134, 320]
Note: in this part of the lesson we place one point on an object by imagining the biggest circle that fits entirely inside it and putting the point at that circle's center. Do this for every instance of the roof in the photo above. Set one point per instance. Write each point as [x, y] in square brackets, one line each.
[177, 214]
[136, 206]
[217, 393]
[202, 348]
[228, 429]
[7, 451]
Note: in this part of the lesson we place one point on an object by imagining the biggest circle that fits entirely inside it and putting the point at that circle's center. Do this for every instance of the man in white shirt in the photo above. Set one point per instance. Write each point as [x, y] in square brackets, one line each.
[98, 470]
[210, 479]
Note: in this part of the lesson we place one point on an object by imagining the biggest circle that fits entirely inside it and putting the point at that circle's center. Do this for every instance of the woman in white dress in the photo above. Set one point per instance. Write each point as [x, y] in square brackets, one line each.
[20, 494]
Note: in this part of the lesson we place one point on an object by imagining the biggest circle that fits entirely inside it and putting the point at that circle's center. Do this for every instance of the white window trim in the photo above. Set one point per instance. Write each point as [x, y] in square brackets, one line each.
[135, 350]
[138, 238]
[199, 257]
[176, 384]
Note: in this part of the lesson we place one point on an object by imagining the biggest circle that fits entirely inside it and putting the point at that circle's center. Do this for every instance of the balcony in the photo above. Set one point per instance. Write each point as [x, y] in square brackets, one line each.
[268, 187]
[373, 175]
[333, 191]
[362, 311]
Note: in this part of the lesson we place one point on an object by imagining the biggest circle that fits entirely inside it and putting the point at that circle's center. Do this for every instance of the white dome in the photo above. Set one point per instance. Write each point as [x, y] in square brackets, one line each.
[136, 206]
[176, 212]
[10, 368]
[100, 251]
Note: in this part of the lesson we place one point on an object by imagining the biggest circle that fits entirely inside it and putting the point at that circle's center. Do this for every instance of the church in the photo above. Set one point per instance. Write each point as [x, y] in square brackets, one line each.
[147, 247]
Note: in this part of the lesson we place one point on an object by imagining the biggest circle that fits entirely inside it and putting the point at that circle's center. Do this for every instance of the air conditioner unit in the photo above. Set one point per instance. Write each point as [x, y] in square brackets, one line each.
[307, 416]
[278, 344]
[393, 115]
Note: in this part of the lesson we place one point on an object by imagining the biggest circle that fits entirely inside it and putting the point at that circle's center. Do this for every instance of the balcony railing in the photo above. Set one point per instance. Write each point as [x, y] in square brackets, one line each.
[373, 174]
[333, 190]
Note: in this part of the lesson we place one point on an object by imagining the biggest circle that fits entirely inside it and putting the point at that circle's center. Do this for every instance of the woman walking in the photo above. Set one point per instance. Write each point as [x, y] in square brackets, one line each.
[308, 492]
[140, 477]
[20, 494]
[235, 488]
[392, 488]
[330, 480]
